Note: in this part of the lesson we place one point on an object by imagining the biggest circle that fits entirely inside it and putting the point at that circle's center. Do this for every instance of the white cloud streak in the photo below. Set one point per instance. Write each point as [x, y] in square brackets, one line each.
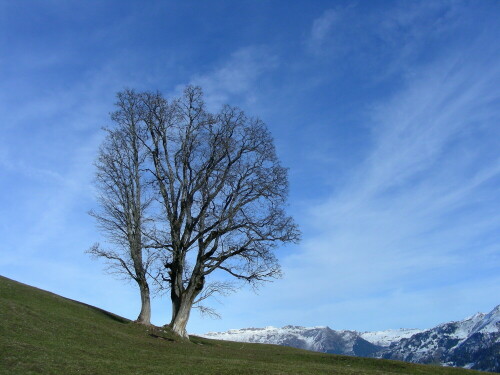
[415, 220]
[321, 30]
[418, 210]
[237, 79]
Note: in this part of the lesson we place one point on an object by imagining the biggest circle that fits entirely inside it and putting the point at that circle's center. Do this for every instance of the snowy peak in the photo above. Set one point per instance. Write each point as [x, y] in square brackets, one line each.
[489, 323]
[387, 337]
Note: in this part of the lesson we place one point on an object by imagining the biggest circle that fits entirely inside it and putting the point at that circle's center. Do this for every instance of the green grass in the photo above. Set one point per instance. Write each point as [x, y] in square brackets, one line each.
[42, 333]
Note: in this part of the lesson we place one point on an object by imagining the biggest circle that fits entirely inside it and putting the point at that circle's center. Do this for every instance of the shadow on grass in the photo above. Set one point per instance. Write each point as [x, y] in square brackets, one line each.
[116, 318]
[161, 337]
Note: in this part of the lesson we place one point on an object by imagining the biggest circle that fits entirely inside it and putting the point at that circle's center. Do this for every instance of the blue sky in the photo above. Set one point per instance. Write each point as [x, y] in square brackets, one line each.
[386, 112]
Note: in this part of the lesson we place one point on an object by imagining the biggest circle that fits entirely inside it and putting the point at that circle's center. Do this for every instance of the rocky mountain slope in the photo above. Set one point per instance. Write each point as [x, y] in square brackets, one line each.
[472, 343]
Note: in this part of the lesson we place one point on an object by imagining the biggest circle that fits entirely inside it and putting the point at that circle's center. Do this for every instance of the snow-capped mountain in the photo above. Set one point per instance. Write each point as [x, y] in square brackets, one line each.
[320, 339]
[472, 343]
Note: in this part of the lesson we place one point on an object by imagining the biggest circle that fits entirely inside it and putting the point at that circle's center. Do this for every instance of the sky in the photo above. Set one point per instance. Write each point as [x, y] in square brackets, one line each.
[386, 113]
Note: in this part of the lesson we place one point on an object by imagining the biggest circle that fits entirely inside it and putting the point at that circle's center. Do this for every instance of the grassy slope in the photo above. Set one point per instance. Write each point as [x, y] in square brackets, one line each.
[42, 333]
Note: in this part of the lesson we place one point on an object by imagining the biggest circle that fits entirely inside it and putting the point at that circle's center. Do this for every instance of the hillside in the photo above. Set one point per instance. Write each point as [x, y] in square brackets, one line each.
[42, 333]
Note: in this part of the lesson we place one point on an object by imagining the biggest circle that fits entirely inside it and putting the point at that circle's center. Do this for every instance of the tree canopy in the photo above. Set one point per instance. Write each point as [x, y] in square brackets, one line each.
[219, 194]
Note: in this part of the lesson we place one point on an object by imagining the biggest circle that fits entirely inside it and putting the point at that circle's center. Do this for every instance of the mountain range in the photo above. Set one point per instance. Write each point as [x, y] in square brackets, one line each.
[471, 343]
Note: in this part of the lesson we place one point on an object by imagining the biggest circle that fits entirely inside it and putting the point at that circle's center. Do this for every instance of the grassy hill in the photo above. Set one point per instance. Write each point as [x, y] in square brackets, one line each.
[42, 333]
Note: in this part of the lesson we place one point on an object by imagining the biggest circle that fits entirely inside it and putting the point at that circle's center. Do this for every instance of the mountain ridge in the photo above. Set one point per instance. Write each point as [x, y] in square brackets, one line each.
[473, 342]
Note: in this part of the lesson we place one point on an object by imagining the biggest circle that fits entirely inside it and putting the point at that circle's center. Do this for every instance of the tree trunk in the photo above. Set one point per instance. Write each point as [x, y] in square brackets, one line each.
[145, 314]
[181, 308]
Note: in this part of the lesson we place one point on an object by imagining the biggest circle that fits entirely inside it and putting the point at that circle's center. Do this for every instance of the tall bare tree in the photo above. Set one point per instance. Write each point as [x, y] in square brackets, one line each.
[121, 185]
[223, 193]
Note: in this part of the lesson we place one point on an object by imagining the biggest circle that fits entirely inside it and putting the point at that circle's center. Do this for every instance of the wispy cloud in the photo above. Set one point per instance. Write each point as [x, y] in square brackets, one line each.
[52, 142]
[396, 34]
[237, 78]
[321, 30]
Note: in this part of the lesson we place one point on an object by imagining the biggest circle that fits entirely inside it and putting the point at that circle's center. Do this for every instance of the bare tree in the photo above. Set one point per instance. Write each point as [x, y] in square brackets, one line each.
[120, 182]
[222, 191]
